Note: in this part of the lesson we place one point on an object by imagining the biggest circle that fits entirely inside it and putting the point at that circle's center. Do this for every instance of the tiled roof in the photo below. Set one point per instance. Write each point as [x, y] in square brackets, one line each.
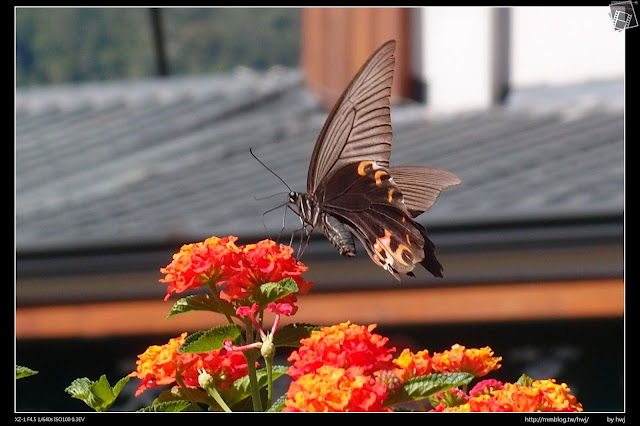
[149, 161]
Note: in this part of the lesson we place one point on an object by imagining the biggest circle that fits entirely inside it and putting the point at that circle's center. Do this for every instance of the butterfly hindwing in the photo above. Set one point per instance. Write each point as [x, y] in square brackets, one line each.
[365, 197]
[421, 186]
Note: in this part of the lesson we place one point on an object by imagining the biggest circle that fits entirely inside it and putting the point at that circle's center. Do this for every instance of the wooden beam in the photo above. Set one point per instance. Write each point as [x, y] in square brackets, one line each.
[451, 304]
[336, 41]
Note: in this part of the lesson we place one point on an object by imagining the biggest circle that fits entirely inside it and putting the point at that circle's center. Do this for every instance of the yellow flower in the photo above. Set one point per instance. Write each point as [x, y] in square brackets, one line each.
[158, 364]
[333, 389]
[556, 396]
[478, 362]
[412, 365]
[542, 395]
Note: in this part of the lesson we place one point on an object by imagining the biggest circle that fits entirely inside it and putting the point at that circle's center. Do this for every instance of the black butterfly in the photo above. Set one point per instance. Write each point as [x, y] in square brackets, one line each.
[351, 190]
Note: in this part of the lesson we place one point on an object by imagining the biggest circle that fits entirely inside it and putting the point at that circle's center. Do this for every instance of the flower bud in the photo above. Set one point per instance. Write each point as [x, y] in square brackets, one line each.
[205, 380]
[450, 398]
[389, 379]
[268, 349]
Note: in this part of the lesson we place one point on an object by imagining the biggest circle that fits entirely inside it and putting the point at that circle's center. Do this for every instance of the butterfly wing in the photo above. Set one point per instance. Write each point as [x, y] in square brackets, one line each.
[359, 125]
[421, 186]
[370, 204]
[350, 182]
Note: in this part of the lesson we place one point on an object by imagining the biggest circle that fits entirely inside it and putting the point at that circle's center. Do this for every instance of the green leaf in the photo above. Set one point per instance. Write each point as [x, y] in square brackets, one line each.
[118, 387]
[291, 334]
[524, 380]
[98, 395]
[424, 386]
[270, 292]
[201, 302]
[22, 372]
[181, 394]
[166, 407]
[403, 410]
[204, 341]
[246, 405]
[241, 388]
[278, 404]
[102, 389]
[79, 388]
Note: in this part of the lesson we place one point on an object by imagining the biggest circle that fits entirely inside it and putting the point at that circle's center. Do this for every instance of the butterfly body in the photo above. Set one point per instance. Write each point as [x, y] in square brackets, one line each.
[332, 228]
[352, 190]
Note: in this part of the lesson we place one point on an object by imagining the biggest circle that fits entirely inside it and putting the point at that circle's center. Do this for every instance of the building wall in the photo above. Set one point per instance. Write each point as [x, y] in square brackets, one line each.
[546, 46]
[560, 45]
[458, 55]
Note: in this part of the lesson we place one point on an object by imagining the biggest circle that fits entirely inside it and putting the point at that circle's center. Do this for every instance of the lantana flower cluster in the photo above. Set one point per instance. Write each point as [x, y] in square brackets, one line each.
[494, 396]
[347, 367]
[343, 367]
[164, 365]
[234, 274]
[334, 370]
[235, 271]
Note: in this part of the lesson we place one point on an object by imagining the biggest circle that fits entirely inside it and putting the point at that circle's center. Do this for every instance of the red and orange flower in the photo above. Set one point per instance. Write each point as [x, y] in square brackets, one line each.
[334, 389]
[412, 365]
[334, 370]
[197, 264]
[158, 365]
[343, 367]
[486, 386]
[344, 345]
[161, 365]
[542, 395]
[262, 263]
[238, 270]
[478, 362]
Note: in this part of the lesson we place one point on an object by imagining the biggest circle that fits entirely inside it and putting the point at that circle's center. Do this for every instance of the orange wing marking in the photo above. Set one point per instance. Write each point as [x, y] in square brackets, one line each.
[362, 166]
[384, 243]
[379, 175]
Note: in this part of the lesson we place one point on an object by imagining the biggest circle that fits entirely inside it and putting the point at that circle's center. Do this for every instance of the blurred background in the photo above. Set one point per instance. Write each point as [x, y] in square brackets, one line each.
[133, 129]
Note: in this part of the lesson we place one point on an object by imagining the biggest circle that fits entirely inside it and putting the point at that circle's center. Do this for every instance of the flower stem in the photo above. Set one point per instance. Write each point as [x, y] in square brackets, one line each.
[214, 393]
[194, 404]
[253, 378]
[216, 296]
[269, 365]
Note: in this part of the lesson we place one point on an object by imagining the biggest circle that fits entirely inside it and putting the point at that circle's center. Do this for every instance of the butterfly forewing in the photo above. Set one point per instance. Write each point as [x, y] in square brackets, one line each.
[359, 125]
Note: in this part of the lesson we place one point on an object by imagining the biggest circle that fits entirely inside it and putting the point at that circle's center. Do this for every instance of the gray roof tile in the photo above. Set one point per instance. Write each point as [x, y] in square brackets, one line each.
[148, 161]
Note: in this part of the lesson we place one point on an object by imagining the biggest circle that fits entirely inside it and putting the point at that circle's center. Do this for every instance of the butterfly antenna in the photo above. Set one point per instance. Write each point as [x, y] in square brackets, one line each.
[274, 173]
[269, 196]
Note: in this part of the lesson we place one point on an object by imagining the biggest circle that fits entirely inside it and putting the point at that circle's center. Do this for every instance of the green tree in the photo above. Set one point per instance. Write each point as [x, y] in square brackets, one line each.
[58, 45]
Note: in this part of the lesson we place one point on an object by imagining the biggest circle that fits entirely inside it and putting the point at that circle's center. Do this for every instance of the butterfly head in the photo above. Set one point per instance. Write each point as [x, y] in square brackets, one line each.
[306, 206]
[293, 197]
[298, 200]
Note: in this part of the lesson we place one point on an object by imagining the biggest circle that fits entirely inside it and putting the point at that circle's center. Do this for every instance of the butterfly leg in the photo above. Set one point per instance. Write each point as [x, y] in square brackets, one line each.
[309, 233]
[284, 217]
